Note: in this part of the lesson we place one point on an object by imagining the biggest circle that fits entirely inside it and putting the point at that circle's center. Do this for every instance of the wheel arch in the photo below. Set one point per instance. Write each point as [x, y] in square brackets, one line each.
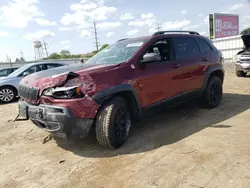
[11, 86]
[124, 90]
[213, 71]
[219, 73]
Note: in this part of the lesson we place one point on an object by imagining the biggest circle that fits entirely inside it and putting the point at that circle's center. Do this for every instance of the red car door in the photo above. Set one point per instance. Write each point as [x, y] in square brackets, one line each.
[156, 79]
[154, 82]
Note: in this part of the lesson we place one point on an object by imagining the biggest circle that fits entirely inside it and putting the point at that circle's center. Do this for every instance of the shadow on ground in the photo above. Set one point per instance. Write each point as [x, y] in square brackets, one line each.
[165, 127]
[15, 101]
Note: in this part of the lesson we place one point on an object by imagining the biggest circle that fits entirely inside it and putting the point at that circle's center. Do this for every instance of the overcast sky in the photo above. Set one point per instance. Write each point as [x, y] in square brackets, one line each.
[68, 24]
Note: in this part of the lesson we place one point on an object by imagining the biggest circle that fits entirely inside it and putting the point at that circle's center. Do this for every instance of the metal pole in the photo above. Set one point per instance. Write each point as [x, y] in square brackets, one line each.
[96, 40]
[45, 48]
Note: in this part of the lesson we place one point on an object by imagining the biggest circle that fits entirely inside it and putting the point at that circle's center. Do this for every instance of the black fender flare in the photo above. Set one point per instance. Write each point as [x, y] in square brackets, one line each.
[106, 94]
[210, 71]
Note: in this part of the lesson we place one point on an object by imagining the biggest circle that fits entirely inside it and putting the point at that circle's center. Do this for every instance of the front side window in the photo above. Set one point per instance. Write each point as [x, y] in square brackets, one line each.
[117, 53]
[185, 47]
[163, 48]
[10, 71]
[33, 69]
[30, 70]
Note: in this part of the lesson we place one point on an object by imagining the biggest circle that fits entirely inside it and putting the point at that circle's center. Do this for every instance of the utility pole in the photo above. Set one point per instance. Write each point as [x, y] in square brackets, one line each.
[158, 27]
[21, 58]
[96, 38]
[8, 60]
[21, 54]
[45, 48]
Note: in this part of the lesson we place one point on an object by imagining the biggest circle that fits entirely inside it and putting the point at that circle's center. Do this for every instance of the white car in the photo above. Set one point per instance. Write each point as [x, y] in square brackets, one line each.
[243, 58]
[9, 85]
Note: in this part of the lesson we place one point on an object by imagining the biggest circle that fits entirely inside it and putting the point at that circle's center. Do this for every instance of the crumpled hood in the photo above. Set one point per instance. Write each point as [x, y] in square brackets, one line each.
[246, 41]
[59, 76]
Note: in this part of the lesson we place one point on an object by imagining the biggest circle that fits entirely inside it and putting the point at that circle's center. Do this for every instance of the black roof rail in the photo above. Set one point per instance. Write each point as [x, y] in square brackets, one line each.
[122, 39]
[164, 32]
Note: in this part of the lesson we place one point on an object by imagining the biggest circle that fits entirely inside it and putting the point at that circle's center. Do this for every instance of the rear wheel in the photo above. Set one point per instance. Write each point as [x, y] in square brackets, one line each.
[113, 123]
[241, 74]
[7, 94]
[213, 93]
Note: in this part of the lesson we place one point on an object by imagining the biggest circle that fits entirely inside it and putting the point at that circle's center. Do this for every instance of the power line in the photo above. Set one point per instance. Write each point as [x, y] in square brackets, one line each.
[96, 38]
[45, 48]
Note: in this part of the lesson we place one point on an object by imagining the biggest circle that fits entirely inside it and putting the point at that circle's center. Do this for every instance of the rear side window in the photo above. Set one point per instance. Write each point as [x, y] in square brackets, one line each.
[185, 47]
[4, 72]
[204, 46]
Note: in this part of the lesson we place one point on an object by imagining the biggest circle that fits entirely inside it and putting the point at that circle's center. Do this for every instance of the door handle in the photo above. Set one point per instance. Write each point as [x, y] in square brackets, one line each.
[175, 66]
[204, 59]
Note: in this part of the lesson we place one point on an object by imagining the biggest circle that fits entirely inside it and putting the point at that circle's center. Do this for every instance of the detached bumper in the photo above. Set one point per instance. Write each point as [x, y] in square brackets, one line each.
[56, 120]
[245, 67]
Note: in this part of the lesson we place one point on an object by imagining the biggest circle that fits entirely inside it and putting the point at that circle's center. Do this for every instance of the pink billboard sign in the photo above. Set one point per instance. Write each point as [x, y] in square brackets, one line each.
[226, 25]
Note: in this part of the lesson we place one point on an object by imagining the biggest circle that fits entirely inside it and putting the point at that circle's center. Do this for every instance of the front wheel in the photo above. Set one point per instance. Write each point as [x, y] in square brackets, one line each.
[213, 93]
[7, 94]
[113, 123]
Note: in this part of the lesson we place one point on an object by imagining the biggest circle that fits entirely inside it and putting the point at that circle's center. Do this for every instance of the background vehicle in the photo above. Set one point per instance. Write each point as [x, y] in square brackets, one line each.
[6, 71]
[121, 83]
[9, 85]
[243, 58]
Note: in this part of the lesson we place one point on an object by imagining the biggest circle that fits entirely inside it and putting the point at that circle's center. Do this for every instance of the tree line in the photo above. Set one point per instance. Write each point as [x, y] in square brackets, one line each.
[245, 31]
[66, 54]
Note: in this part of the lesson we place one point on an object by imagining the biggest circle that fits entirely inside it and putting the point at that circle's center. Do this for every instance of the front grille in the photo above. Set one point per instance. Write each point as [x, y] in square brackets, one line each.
[29, 93]
[245, 59]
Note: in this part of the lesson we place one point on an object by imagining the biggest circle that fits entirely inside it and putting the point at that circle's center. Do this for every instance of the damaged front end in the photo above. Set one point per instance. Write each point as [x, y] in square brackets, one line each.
[59, 104]
[243, 56]
[65, 90]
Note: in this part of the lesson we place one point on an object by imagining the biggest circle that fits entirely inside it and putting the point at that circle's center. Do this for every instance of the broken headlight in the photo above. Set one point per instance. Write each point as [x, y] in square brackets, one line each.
[64, 92]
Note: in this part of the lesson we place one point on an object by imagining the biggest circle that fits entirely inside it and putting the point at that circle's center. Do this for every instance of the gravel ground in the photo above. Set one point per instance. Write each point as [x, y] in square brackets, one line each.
[184, 147]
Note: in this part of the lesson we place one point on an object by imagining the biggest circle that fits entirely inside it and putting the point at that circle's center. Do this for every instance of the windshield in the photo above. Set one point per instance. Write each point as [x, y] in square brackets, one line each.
[20, 70]
[117, 53]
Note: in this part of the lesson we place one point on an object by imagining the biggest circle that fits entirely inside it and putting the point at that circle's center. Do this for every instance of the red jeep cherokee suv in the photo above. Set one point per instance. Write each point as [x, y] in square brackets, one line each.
[122, 81]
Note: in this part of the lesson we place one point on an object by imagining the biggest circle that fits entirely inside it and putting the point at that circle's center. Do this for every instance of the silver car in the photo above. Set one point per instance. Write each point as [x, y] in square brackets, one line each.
[9, 85]
[243, 58]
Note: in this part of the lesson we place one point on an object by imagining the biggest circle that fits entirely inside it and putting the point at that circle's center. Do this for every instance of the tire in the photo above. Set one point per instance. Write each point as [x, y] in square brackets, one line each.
[7, 94]
[109, 132]
[241, 74]
[212, 94]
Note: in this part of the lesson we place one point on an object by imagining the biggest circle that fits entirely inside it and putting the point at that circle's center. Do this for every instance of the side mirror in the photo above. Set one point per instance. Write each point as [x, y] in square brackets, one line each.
[151, 57]
[26, 73]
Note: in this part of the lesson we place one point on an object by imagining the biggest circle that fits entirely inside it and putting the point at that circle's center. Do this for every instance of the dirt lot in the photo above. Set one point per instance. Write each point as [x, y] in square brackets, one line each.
[187, 147]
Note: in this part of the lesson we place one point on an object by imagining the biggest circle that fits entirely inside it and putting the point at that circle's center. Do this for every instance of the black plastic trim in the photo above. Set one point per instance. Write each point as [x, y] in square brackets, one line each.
[174, 101]
[210, 70]
[55, 119]
[104, 95]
